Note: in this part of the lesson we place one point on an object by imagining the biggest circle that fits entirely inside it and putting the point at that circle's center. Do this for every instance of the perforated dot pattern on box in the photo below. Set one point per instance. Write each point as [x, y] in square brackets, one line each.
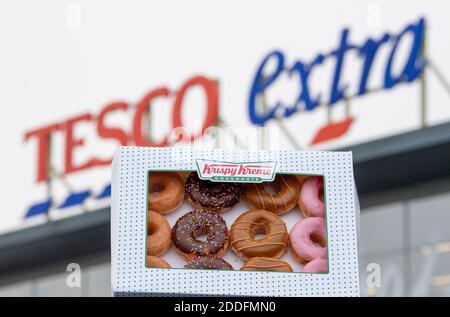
[130, 277]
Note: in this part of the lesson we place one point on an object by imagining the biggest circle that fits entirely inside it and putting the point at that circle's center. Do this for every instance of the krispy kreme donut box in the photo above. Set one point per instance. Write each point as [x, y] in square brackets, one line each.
[192, 221]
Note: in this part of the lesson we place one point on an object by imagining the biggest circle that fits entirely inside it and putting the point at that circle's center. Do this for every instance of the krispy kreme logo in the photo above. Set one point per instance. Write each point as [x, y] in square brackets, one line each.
[250, 172]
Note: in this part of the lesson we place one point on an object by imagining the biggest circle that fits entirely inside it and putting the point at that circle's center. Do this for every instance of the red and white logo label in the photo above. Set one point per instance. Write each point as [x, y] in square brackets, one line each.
[249, 172]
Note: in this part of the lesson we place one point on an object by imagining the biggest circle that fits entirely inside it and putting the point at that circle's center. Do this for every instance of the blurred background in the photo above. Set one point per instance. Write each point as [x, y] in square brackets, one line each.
[80, 78]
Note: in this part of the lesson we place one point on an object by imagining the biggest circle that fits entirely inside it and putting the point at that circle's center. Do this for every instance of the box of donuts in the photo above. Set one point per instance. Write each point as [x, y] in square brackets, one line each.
[193, 221]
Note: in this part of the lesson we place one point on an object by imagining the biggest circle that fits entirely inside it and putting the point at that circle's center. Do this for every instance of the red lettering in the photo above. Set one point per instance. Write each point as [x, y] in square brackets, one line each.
[212, 96]
[111, 132]
[136, 136]
[141, 109]
[72, 143]
[43, 138]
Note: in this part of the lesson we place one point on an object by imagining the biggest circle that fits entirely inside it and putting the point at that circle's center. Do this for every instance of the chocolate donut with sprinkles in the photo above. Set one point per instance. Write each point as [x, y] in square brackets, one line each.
[208, 263]
[212, 196]
[188, 229]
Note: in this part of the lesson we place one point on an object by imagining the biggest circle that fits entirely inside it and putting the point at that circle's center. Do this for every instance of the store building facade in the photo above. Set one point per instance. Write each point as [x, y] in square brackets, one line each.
[404, 228]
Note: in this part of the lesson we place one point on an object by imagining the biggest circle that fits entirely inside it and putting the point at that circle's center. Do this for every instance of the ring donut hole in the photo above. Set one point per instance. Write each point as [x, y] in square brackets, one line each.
[259, 231]
[155, 189]
[201, 234]
[215, 188]
[151, 229]
[321, 193]
[272, 188]
[318, 240]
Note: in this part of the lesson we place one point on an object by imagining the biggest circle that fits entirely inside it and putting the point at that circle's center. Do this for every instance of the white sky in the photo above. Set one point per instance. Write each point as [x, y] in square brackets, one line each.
[55, 64]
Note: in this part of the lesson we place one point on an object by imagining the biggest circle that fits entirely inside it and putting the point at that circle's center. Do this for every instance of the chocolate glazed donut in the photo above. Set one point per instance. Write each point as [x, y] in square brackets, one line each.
[281, 202]
[211, 196]
[195, 223]
[208, 263]
[252, 222]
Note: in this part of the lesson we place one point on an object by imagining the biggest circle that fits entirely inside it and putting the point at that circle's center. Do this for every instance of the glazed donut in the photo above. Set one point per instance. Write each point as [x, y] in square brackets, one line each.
[252, 222]
[158, 239]
[195, 223]
[305, 236]
[208, 263]
[318, 265]
[309, 201]
[283, 201]
[155, 262]
[166, 191]
[301, 178]
[211, 196]
[184, 175]
[266, 264]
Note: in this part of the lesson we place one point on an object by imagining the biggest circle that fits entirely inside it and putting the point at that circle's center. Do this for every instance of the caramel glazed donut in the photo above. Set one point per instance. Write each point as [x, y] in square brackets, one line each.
[212, 196]
[158, 239]
[281, 202]
[266, 264]
[195, 223]
[252, 222]
[166, 192]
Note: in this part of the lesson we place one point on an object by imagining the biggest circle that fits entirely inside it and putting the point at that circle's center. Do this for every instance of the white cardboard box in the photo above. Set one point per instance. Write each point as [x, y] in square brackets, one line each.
[131, 277]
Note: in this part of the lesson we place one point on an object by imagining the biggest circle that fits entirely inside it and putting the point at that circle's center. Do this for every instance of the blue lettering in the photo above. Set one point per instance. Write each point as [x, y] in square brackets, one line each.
[337, 91]
[304, 72]
[260, 83]
[415, 64]
[368, 51]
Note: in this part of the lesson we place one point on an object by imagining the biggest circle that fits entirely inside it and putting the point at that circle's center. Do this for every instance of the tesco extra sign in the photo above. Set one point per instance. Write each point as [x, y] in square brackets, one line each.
[307, 100]
[135, 136]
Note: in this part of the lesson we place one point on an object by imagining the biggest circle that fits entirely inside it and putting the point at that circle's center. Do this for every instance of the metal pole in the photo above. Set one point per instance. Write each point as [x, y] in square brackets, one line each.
[347, 107]
[49, 175]
[441, 78]
[328, 112]
[291, 138]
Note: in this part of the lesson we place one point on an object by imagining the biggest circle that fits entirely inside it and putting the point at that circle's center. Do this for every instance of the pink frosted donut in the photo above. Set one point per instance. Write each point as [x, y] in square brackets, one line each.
[318, 265]
[308, 239]
[309, 199]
